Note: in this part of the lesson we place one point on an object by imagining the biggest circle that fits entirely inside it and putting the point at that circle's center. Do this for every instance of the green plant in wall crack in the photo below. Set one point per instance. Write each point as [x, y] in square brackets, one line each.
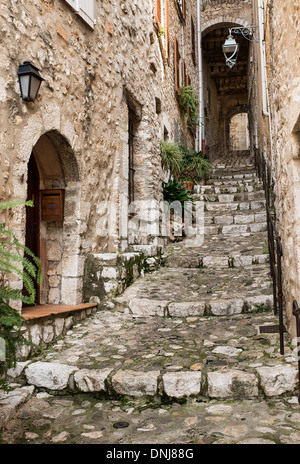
[16, 260]
[189, 104]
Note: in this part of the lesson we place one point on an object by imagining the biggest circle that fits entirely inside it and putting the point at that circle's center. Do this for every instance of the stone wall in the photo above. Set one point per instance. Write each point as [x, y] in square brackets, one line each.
[284, 87]
[93, 75]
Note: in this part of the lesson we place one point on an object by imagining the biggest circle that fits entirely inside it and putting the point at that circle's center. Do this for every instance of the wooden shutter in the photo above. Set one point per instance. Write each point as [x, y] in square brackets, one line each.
[176, 64]
[184, 79]
[86, 11]
[158, 13]
[168, 30]
[183, 9]
[193, 36]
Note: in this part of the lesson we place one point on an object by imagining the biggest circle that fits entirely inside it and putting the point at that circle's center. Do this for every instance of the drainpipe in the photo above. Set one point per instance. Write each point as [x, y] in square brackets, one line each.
[265, 92]
[201, 140]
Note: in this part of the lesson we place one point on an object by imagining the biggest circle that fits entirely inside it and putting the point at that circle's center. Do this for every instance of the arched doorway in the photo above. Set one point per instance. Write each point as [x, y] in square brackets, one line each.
[53, 183]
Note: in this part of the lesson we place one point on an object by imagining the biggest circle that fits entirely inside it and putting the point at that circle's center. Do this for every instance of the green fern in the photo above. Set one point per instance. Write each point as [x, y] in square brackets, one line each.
[15, 260]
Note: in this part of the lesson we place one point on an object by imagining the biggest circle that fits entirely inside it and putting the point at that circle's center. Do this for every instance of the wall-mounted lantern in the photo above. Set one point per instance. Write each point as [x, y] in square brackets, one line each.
[29, 80]
[231, 47]
[230, 50]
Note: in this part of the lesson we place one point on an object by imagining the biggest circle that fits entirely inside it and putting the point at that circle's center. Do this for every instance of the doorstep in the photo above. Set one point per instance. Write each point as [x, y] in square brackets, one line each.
[39, 311]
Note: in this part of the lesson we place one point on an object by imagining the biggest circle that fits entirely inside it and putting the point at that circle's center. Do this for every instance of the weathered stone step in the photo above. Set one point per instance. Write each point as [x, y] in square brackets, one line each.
[178, 292]
[217, 262]
[220, 174]
[233, 182]
[242, 197]
[235, 218]
[235, 229]
[255, 205]
[226, 189]
[116, 354]
[219, 251]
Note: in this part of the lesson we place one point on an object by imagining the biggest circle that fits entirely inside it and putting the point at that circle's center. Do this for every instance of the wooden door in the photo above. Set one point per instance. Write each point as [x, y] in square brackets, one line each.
[32, 240]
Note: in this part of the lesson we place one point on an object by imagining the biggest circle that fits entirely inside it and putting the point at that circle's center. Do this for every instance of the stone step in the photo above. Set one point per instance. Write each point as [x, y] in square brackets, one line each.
[255, 205]
[240, 217]
[219, 251]
[116, 355]
[226, 189]
[180, 292]
[233, 182]
[236, 229]
[242, 197]
[216, 262]
[226, 175]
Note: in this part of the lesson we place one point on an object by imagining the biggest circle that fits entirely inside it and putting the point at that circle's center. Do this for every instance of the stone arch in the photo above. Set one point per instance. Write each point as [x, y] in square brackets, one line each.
[240, 109]
[59, 240]
[222, 20]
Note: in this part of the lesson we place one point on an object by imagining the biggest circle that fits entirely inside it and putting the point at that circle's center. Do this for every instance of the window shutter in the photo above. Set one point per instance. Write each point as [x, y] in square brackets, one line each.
[73, 4]
[183, 9]
[184, 79]
[193, 34]
[86, 11]
[176, 64]
[158, 13]
[168, 30]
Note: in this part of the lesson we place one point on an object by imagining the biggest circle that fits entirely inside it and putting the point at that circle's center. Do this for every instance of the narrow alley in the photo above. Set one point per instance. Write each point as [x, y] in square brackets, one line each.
[184, 345]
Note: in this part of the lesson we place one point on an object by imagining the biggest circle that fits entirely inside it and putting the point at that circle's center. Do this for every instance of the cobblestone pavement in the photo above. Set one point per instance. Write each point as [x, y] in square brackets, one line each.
[122, 341]
[84, 419]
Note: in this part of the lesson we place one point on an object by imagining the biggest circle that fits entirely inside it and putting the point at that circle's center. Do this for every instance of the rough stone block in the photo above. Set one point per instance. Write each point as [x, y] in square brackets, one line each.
[53, 376]
[232, 384]
[181, 384]
[133, 383]
[277, 380]
[235, 229]
[91, 380]
[215, 261]
[220, 307]
[239, 261]
[182, 309]
[147, 307]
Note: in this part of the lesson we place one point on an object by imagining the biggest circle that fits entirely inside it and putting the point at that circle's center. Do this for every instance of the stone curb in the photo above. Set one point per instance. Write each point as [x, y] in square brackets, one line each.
[215, 307]
[267, 381]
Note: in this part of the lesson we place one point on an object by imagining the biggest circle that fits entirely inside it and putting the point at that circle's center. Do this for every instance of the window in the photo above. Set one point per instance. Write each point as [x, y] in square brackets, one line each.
[163, 24]
[85, 9]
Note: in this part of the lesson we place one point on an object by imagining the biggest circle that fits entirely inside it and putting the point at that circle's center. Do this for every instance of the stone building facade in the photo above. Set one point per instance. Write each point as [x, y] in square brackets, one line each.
[264, 85]
[92, 136]
[282, 32]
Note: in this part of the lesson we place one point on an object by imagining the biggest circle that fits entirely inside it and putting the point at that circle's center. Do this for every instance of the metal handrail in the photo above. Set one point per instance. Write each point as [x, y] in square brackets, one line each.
[275, 252]
[296, 313]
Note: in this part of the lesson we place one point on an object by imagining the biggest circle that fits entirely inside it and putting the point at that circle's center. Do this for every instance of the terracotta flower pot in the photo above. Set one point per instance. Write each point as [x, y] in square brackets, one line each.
[188, 184]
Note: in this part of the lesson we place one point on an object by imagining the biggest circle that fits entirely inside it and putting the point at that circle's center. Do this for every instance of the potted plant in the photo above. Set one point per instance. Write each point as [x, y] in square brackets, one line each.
[195, 167]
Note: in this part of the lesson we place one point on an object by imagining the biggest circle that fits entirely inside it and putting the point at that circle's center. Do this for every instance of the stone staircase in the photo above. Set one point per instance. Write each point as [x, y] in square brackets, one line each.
[192, 328]
[229, 272]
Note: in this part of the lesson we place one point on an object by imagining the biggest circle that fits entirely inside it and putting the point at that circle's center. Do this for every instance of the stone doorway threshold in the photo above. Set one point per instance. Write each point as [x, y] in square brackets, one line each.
[37, 312]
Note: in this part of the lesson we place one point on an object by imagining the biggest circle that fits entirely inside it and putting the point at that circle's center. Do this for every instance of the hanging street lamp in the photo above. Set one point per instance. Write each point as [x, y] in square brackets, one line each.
[231, 47]
[230, 50]
[29, 80]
